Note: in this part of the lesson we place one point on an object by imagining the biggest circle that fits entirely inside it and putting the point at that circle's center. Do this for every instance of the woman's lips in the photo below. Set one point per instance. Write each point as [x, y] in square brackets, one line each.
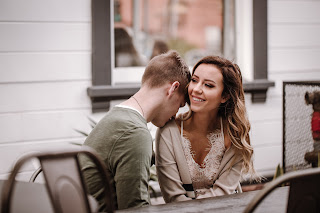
[197, 99]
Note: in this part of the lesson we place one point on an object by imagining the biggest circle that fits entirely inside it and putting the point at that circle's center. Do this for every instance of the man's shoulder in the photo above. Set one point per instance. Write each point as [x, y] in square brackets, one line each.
[114, 125]
[127, 121]
[123, 116]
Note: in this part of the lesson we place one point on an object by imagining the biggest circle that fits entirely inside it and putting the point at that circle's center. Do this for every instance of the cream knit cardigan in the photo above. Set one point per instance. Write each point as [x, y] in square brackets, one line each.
[173, 171]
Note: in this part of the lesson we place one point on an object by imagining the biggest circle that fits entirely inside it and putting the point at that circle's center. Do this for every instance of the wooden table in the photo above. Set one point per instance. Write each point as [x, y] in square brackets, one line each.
[33, 198]
[276, 202]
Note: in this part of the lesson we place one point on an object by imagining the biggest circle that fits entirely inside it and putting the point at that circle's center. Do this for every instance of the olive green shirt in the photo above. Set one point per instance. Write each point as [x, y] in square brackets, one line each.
[124, 143]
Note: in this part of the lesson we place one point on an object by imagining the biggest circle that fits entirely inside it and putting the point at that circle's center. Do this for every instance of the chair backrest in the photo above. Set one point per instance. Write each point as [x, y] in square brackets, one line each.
[35, 174]
[304, 193]
[64, 180]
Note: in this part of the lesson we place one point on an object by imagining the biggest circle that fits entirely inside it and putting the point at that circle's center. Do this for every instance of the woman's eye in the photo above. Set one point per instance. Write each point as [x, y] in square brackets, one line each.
[209, 85]
[193, 80]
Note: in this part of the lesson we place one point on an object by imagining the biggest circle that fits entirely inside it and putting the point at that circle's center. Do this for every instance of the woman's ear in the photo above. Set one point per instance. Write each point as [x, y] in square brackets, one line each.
[225, 98]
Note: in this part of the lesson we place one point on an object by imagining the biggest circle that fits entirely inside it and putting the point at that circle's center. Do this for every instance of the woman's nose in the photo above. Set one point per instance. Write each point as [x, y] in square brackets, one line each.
[198, 88]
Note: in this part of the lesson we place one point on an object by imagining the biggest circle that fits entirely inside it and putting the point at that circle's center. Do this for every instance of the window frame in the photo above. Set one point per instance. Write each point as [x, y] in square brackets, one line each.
[103, 91]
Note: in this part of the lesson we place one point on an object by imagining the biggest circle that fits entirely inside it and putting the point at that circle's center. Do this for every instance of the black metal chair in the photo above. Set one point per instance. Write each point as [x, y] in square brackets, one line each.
[304, 192]
[64, 181]
[35, 175]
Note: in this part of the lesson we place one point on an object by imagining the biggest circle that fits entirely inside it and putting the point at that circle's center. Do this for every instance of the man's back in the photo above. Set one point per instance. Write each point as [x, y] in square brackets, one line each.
[122, 138]
[124, 143]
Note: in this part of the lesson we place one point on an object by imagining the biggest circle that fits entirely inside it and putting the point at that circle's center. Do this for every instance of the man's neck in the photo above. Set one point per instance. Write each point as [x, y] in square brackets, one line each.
[146, 101]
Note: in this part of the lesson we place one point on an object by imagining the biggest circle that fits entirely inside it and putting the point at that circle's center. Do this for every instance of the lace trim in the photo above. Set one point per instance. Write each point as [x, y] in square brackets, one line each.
[202, 175]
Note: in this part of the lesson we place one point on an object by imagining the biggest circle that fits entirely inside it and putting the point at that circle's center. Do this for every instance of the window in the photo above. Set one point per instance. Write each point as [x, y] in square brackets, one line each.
[145, 28]
[194, 28]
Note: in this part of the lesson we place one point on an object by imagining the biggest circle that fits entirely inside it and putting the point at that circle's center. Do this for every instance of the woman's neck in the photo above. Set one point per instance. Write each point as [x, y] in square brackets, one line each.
[203, 122]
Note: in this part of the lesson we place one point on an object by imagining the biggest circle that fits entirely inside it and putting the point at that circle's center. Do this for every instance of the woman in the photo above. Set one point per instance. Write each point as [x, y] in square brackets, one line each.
[204, 152]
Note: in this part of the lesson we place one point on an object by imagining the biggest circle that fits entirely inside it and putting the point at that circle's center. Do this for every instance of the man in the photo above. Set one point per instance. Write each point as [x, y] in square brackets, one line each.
[122, 138]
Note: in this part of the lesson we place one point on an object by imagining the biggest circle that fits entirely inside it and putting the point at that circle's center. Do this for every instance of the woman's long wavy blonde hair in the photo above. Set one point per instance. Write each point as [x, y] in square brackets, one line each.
[233, 111]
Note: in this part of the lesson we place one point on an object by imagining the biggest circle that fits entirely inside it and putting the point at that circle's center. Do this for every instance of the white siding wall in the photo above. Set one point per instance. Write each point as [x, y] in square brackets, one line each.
[45, 60]
[293, 55]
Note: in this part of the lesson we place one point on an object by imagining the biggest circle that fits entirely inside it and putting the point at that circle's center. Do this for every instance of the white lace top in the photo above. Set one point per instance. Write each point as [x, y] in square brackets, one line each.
[202, 175]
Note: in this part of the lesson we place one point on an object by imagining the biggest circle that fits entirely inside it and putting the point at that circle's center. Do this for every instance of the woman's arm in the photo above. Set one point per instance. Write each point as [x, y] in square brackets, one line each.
[167, 169]
[227, 180]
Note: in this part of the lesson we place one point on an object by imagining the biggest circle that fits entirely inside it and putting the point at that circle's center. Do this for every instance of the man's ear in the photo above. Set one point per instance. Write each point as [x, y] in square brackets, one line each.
[174, 87]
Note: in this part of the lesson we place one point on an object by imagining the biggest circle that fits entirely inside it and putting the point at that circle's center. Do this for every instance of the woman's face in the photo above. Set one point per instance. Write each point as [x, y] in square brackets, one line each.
[205, 89]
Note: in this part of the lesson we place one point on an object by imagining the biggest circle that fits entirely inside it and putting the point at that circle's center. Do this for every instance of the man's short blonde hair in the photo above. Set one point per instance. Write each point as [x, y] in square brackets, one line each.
[167, 68]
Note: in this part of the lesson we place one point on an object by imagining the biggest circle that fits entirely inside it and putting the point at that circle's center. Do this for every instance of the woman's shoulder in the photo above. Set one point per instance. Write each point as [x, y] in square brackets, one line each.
[170, 127]
[168, 133]
[233, 153]
[172, 124]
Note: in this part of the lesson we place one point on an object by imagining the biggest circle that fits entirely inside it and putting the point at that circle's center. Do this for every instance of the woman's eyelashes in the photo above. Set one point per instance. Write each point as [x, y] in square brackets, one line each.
[209, 85]
[194, 80]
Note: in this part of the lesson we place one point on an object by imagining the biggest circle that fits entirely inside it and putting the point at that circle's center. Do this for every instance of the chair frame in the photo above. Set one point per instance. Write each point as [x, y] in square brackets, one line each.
[269, 187]
[8, 188]
[35, 174]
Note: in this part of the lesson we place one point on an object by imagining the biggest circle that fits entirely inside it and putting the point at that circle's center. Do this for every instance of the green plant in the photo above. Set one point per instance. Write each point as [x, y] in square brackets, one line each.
[279, 172]
[92, 123]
